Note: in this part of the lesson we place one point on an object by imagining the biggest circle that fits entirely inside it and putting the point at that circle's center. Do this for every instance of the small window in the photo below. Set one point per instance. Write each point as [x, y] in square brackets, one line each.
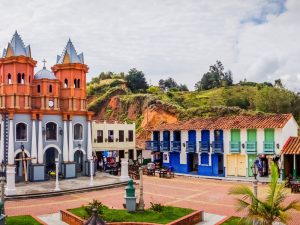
[75, 83]
[50, 88]
[23, 79]
[121, 135]
[19, 78]
[66, 83]
[9, 78]
[21, 132]
[78, 83]
[130, 135]
[51, 131]
[39, 88]
[29, 79]
[99, 136]
[78, 132]
[110, 136]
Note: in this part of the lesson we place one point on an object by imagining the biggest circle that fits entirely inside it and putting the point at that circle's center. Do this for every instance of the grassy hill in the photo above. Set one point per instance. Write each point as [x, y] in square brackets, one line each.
[112, 100]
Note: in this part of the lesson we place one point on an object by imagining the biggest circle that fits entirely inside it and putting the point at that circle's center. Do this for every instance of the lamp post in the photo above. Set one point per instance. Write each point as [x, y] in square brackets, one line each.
[2, 182]
[141, 205]
[255, 182]
[56, 174]
[91, 171]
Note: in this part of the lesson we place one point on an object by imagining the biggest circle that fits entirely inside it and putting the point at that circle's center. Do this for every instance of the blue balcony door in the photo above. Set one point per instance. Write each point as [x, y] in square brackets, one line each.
[192, 136]
[205, 136]
[156, 136]
[218, 135]
[217, 164]
[166, 136]
[176, 136]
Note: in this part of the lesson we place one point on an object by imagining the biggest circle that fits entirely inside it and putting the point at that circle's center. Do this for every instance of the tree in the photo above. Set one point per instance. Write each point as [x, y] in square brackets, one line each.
[216, 77]
[136, 81]
[268, 210]
[171, 84]
[278, 83]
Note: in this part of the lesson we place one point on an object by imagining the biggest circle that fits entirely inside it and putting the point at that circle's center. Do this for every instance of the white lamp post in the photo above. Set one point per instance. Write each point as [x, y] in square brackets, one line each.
[56, 175]
[141, 204]
[255, 182]
[91, 172]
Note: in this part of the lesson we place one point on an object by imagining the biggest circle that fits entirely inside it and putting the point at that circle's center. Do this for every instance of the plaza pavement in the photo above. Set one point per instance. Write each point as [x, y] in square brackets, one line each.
[211, 196]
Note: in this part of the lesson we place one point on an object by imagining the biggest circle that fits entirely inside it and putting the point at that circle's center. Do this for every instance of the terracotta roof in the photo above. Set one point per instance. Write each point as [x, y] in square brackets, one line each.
[230, 122]
[292, 146]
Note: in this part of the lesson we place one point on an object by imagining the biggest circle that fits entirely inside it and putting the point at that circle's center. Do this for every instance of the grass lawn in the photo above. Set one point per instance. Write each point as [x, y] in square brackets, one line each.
[21, 220]
[167, 215]
[232, 221]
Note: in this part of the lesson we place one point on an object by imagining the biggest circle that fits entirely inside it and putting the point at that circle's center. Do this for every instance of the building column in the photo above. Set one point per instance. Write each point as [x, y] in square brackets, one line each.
[294, 167]
[10, 169]
[71, 153]
[40, 144]
[89, 140]
[33, 143]
[2, 141]
[65, 143]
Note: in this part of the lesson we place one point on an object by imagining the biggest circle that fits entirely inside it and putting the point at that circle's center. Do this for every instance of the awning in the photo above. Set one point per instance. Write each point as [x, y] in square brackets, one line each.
[292, 147]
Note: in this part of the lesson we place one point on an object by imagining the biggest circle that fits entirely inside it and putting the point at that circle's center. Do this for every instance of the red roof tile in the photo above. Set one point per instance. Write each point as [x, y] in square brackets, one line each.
[292, 146]
[230, 122]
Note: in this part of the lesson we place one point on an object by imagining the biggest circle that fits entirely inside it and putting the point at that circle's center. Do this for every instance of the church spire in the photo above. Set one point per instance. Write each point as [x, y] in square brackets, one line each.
[69, 55]
[16, 47]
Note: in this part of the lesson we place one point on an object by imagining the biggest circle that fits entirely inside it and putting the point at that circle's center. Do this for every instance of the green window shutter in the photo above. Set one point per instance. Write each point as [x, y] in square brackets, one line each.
[235, 135]
[251, 135]
[269, 135]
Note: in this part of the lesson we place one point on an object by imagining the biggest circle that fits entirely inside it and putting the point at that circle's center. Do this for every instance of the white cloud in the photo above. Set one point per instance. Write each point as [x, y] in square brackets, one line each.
[256, 39]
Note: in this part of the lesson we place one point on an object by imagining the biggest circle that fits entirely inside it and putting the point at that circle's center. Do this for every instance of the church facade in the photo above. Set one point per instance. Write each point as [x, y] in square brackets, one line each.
[44, 116]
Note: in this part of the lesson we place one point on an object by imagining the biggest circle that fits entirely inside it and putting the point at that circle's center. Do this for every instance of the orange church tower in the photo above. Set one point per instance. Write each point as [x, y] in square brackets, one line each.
[71, 71]
[16, 75]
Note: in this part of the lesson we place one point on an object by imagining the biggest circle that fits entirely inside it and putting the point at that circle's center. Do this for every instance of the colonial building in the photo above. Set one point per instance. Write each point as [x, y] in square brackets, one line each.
[112, 139]
[222, 146]
[44, 115]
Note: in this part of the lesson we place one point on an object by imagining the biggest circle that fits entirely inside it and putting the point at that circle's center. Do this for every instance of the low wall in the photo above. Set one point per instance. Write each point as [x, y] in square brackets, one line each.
[190, 219]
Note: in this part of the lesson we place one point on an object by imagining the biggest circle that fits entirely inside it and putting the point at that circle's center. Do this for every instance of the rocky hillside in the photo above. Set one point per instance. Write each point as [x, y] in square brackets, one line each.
[111, 100]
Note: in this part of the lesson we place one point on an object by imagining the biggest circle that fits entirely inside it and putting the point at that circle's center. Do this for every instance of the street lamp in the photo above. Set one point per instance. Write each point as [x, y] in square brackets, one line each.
[255, 173]
[141, 205]
[91, 171]
[56, 174]
[2, 182]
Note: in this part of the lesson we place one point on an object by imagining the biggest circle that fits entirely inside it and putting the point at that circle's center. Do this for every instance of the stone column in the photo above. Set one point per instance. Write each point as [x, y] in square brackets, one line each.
[71, 154]
[124, 170]
[10, 169]
[2, 141]
[33, 143]
[294, 167]
[89, 140]
[40, 144]
[65, 143]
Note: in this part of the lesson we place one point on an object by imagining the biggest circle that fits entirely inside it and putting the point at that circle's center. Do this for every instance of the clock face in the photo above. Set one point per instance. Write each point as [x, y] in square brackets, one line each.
[51, 103]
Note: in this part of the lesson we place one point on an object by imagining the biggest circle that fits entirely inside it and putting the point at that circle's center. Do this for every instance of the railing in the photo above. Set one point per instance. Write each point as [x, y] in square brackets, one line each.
[190, 146]
[175, 146]
[235, 146]
[152, 145]
[269, 147]
[165, 146]
[217, 146]
[251, 147]
[204, 146]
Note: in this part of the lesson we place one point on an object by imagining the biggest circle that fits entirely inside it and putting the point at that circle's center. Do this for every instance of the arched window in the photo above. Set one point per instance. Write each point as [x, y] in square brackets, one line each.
[51, 131]
[78, 131]
[78, 83]
[29, 79]
[19, 78]
[21, 132]
[75, 83]
[39, 88]
[9, 78]
[23, 79]
[50, 88]
[66, 83]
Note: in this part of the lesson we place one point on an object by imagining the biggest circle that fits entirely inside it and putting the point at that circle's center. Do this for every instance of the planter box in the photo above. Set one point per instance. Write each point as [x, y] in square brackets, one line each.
[190, 219]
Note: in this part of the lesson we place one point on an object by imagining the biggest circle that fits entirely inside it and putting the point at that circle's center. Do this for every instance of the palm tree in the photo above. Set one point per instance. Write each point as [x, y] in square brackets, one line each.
[268, 210]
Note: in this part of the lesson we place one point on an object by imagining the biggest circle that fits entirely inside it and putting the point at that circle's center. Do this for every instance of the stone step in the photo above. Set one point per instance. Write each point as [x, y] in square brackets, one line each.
[52, 219]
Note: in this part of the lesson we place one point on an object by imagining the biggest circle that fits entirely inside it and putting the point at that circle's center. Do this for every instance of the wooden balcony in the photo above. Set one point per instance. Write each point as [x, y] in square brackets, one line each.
[251, 147]
[217, 147]
[235, 146]
[152, 145]
[175, 146]
[165, 146]
[204, 146]
[269, 147]
[191, 146]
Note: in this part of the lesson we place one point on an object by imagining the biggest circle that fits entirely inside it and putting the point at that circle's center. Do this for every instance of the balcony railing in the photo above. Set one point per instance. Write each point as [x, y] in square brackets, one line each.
[235, 146]
[269, 147]
[204, 146]
[165, 146]
[175, 146]
[153, 145]
[190, 146]
[251, 147]
[217, 146]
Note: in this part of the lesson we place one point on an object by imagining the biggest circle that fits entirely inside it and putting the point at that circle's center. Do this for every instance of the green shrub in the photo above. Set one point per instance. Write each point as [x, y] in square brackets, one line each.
[95, 205]
[156, 207]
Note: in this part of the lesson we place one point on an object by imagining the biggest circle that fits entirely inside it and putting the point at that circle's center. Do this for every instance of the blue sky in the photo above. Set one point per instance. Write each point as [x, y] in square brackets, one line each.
[255, 39]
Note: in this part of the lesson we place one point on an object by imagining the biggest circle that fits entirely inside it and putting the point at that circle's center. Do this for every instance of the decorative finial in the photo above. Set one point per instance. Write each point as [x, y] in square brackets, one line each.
[44, 61]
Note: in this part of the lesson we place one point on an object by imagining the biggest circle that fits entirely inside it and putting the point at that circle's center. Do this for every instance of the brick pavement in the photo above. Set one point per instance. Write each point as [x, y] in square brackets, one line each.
[201, 194]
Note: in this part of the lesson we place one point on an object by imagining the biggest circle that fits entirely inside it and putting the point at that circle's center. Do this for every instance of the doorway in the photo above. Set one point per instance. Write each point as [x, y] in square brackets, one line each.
[78, 158]
[192, 162]
[49, 158]
[20, 167]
